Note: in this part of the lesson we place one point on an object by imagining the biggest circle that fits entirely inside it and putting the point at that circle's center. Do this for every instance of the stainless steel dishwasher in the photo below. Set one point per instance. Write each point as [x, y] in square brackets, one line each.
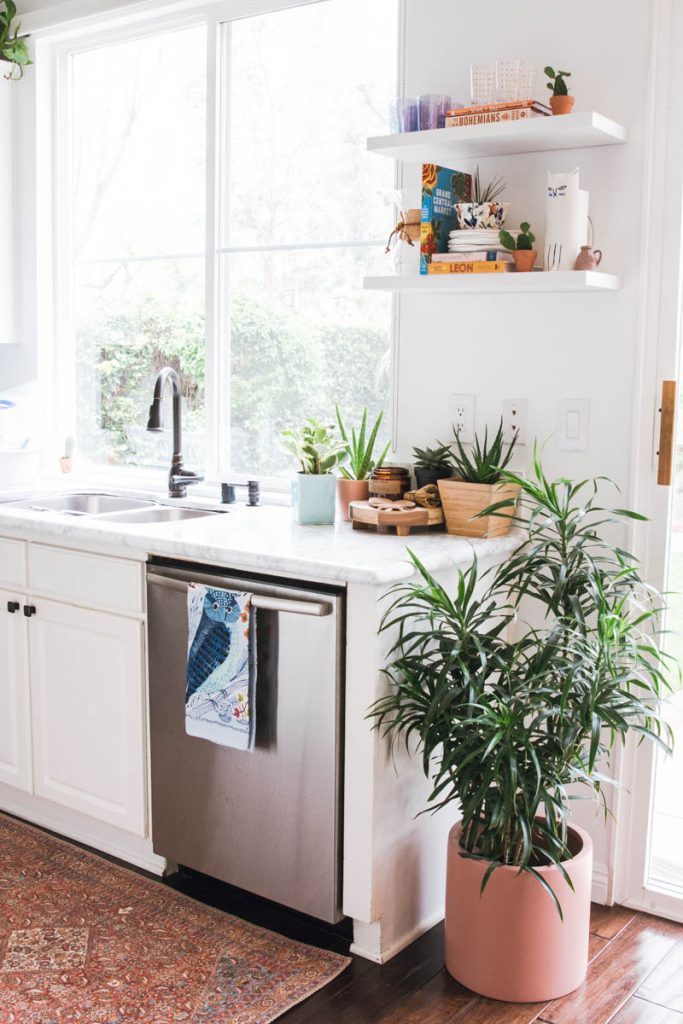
[268, 820]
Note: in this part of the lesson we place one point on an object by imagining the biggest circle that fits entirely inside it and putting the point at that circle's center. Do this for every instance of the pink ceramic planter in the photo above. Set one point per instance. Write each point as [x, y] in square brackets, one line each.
[510, 943]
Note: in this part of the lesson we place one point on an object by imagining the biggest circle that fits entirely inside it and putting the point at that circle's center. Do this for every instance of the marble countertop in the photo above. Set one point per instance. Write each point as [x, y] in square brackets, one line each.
[263, 539]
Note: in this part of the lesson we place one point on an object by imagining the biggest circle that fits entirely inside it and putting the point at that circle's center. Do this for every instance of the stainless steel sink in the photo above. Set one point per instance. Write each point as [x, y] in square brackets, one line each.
[158, 514]
[83, 504]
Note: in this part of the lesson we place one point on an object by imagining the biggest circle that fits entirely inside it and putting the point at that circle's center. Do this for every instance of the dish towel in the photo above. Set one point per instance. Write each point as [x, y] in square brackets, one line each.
[220, 697]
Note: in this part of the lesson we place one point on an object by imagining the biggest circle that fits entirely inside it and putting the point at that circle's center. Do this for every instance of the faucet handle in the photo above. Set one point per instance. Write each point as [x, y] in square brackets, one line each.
[187, 476]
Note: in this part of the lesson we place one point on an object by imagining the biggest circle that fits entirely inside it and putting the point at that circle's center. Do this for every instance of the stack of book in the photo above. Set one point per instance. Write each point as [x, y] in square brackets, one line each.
[473, 251]
[493, 113]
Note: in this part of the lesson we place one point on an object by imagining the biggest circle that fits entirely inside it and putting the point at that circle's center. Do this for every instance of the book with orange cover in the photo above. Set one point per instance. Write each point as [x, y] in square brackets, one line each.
[493, 117]
[470, 267]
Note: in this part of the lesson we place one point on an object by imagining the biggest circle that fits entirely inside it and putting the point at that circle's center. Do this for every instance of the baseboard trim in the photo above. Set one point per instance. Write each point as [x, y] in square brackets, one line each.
[139, 852]
[391, 951]
[600, 887]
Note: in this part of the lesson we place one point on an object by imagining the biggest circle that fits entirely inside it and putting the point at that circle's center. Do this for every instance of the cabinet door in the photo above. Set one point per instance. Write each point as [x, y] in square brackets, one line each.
[15, 704]
[88, 712]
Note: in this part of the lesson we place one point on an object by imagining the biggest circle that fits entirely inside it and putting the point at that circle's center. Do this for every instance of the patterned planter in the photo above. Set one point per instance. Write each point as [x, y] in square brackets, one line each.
[481, 215]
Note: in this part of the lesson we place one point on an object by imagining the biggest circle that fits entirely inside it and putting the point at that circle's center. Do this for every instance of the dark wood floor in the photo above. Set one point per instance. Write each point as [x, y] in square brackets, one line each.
[635, 974]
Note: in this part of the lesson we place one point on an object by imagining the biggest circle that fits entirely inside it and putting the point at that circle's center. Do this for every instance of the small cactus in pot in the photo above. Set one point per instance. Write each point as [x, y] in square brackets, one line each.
[521, 247]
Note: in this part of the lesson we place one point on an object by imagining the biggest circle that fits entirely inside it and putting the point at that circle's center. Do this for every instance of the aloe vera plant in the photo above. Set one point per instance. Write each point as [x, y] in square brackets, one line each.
[507, 720]
[13, 50]
[358, 450]
[314, 446]
[487, 460]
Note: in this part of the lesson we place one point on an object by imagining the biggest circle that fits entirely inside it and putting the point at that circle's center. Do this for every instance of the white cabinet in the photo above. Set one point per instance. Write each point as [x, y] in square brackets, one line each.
[15, 703]
[73, 691]
[88, 712]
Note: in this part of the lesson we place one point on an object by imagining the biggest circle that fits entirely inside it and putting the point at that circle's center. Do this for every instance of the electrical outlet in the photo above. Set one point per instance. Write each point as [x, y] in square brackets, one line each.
[462, 417]
[514, 419]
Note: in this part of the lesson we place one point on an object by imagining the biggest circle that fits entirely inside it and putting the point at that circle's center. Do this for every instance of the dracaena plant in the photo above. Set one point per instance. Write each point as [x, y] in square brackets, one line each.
[13, 50]
[359, 448]
[508, 716]
[314, 446]
[487, 459]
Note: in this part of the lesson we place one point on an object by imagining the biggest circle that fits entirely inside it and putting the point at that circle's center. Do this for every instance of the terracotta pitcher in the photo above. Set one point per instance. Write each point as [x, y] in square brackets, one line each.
[588, 258]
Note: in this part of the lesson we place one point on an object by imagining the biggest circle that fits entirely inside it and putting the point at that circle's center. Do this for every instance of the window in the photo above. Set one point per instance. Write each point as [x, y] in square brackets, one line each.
[263, 315]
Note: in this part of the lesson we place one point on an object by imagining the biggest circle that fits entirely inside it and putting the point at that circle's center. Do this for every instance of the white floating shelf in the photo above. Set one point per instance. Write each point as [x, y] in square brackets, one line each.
[511, 282]
[443, 145]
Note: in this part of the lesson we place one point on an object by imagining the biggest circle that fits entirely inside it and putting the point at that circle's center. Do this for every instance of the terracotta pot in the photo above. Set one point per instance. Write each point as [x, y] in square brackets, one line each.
[588, 258]
[462, 501]
[524, 259]
[65, 464]
[351, 490]
[561, 104]
[509, 942]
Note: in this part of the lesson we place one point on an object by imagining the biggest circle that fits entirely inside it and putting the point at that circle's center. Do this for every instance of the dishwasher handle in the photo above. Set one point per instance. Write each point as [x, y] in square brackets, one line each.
[263, 601]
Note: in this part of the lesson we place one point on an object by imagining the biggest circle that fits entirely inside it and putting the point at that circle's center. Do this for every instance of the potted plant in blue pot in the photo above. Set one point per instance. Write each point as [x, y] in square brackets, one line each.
[318, 453]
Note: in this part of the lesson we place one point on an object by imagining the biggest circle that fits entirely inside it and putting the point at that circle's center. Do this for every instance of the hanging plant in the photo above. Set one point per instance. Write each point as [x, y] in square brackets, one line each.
[13, 50]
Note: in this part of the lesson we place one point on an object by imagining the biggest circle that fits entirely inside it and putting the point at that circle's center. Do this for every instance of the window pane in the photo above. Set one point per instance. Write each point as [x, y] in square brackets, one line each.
[134, 319]
[138, 239]
[302, 338]
[139, 123]
[301, 332]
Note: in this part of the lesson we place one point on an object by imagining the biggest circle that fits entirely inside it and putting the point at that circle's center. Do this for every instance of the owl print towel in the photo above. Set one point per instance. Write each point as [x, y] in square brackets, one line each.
[220, 701]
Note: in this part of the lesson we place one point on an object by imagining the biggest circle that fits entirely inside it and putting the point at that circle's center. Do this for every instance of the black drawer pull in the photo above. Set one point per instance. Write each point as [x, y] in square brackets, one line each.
[29, 610]
[13, 606]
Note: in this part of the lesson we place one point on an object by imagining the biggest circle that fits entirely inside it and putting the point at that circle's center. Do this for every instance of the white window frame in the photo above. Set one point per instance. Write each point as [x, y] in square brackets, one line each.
[55, 45]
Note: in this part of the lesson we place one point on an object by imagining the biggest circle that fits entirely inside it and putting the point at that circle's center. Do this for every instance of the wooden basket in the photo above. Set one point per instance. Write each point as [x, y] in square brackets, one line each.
[461, 502]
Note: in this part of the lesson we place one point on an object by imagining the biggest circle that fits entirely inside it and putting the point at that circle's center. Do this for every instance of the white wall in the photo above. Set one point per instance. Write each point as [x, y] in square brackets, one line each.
[542, 348]
[7, 307]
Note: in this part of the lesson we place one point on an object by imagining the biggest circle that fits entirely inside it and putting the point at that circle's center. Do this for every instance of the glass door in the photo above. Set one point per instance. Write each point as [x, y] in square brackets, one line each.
[648, 853]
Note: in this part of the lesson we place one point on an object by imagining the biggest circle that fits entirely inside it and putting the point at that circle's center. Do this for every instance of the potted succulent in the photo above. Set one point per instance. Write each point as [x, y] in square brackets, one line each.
[354, 482]
[521, 247]
[507, 720]
[483, 211]
[13, 50]
[432, 464]
[66, 460]
[478, 482]
[318, 452]
[560, 101]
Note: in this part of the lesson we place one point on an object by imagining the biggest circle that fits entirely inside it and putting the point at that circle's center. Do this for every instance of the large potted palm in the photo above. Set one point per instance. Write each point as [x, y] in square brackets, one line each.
[508, 716]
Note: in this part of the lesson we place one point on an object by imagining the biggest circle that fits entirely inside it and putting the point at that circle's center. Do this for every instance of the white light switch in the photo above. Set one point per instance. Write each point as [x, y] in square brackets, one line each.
[574, 417]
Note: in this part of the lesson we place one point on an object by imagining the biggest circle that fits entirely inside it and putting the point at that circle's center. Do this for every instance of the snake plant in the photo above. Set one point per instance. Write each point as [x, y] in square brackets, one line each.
[13, 50]
[359, 451]
[507, 720]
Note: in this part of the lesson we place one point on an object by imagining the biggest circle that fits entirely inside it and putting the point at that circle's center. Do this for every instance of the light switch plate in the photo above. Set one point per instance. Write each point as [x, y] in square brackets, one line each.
[514, 419]
[462, 417]
[574, 422]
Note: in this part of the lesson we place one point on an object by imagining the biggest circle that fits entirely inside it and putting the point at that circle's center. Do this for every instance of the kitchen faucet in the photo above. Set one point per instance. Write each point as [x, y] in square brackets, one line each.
[178, 478]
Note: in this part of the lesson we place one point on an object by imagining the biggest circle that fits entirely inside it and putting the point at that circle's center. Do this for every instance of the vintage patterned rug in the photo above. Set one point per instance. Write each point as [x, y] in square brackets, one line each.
[82, 940]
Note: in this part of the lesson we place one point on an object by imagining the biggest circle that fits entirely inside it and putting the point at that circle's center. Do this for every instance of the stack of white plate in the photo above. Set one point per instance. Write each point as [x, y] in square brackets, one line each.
[475, 239]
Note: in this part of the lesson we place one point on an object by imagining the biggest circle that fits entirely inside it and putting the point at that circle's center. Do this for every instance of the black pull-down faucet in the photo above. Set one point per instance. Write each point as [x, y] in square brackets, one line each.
[178, 478]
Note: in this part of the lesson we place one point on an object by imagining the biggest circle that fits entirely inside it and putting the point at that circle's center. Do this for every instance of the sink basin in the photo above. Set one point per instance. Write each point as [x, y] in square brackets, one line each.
[158, 514]
[83, 504]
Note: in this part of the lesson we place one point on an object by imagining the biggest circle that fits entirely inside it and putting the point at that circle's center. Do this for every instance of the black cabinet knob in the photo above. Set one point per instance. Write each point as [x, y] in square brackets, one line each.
[13, 606]
[29, 610]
